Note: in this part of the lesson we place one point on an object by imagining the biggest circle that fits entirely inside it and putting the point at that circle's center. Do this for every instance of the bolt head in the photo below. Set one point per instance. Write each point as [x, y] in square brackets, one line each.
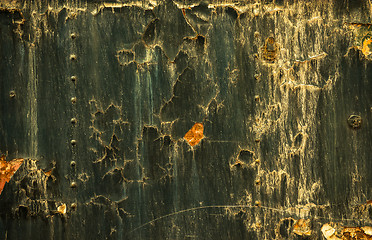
[12, 94]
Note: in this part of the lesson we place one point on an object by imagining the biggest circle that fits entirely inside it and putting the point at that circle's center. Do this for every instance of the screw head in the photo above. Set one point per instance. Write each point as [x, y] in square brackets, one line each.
[257, 203]
[73, 78]
[257, 98]
[73, 205]
[73, 142]
[72, 163]
[73, 35]
[73, 120]
[257, 161]
[73, 100]
[355, 121]
[73, 185]
[72, 57]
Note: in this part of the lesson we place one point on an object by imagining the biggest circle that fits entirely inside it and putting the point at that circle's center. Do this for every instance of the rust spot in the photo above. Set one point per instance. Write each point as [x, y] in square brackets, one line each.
[7, 170]
[195, 134]
[302, 227]
[48, 173]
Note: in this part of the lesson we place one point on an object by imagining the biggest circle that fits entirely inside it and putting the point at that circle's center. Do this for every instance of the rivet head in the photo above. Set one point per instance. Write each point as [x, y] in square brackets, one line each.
[73, 100]
[73, 35]
[72, 163]
[257, 98]
[73, 205]
[73, 120]
[73, 185]
[73, 142]
[12, 94]
[73, 78]
[257, 203]
[72, 57]
[257, 161]
[258, 181]
[354, 121]
[257, 140]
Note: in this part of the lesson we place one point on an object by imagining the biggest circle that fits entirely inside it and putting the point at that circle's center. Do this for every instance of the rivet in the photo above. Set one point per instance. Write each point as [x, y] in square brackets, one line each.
[354, 121]
[73, 35]
[257, 161]
[73, 142]
[12, 94]
[72, 163]
[257, 203]
[73, 100]
[73, 120]
[257, 98]
[73, 78]
[258, 181]
[73, 185]
[72, 57]
[257, 140]
[256, 34]
[73, 205]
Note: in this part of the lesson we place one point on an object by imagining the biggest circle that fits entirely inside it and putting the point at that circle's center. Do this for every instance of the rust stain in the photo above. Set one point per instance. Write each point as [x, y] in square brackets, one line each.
[302, 227]
[7, 170]
[195, 134]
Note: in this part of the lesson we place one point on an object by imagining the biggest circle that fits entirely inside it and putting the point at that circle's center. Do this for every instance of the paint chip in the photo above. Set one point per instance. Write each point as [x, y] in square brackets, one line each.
[329, 232]
[7, 170]
[62, 209]
[195, 134]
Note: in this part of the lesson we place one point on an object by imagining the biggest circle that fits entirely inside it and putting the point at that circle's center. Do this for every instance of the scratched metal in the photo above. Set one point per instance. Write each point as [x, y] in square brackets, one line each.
[101, 100]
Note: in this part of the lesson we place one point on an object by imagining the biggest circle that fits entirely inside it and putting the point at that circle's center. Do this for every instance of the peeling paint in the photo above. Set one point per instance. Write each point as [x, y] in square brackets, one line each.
[195, 134]
[348, 233]
[8, 169]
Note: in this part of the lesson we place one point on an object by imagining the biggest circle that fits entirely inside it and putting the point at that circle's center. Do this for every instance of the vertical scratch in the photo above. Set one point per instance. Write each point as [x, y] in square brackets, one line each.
[32, 90]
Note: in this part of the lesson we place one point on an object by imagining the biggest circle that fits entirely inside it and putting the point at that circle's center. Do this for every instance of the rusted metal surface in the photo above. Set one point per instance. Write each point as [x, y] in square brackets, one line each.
[186, 119]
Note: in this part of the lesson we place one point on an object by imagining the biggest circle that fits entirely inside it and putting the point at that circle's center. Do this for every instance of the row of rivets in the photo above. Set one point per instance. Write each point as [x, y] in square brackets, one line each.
[73, 120]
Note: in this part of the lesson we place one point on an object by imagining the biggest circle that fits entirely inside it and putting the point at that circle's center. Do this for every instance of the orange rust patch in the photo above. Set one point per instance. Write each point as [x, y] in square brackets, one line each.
[48, 173]
[7, 170]
[195, 134]
[365, 48]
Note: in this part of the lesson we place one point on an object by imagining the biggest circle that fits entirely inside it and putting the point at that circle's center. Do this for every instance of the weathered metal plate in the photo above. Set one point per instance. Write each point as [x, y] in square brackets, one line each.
[186, 119]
